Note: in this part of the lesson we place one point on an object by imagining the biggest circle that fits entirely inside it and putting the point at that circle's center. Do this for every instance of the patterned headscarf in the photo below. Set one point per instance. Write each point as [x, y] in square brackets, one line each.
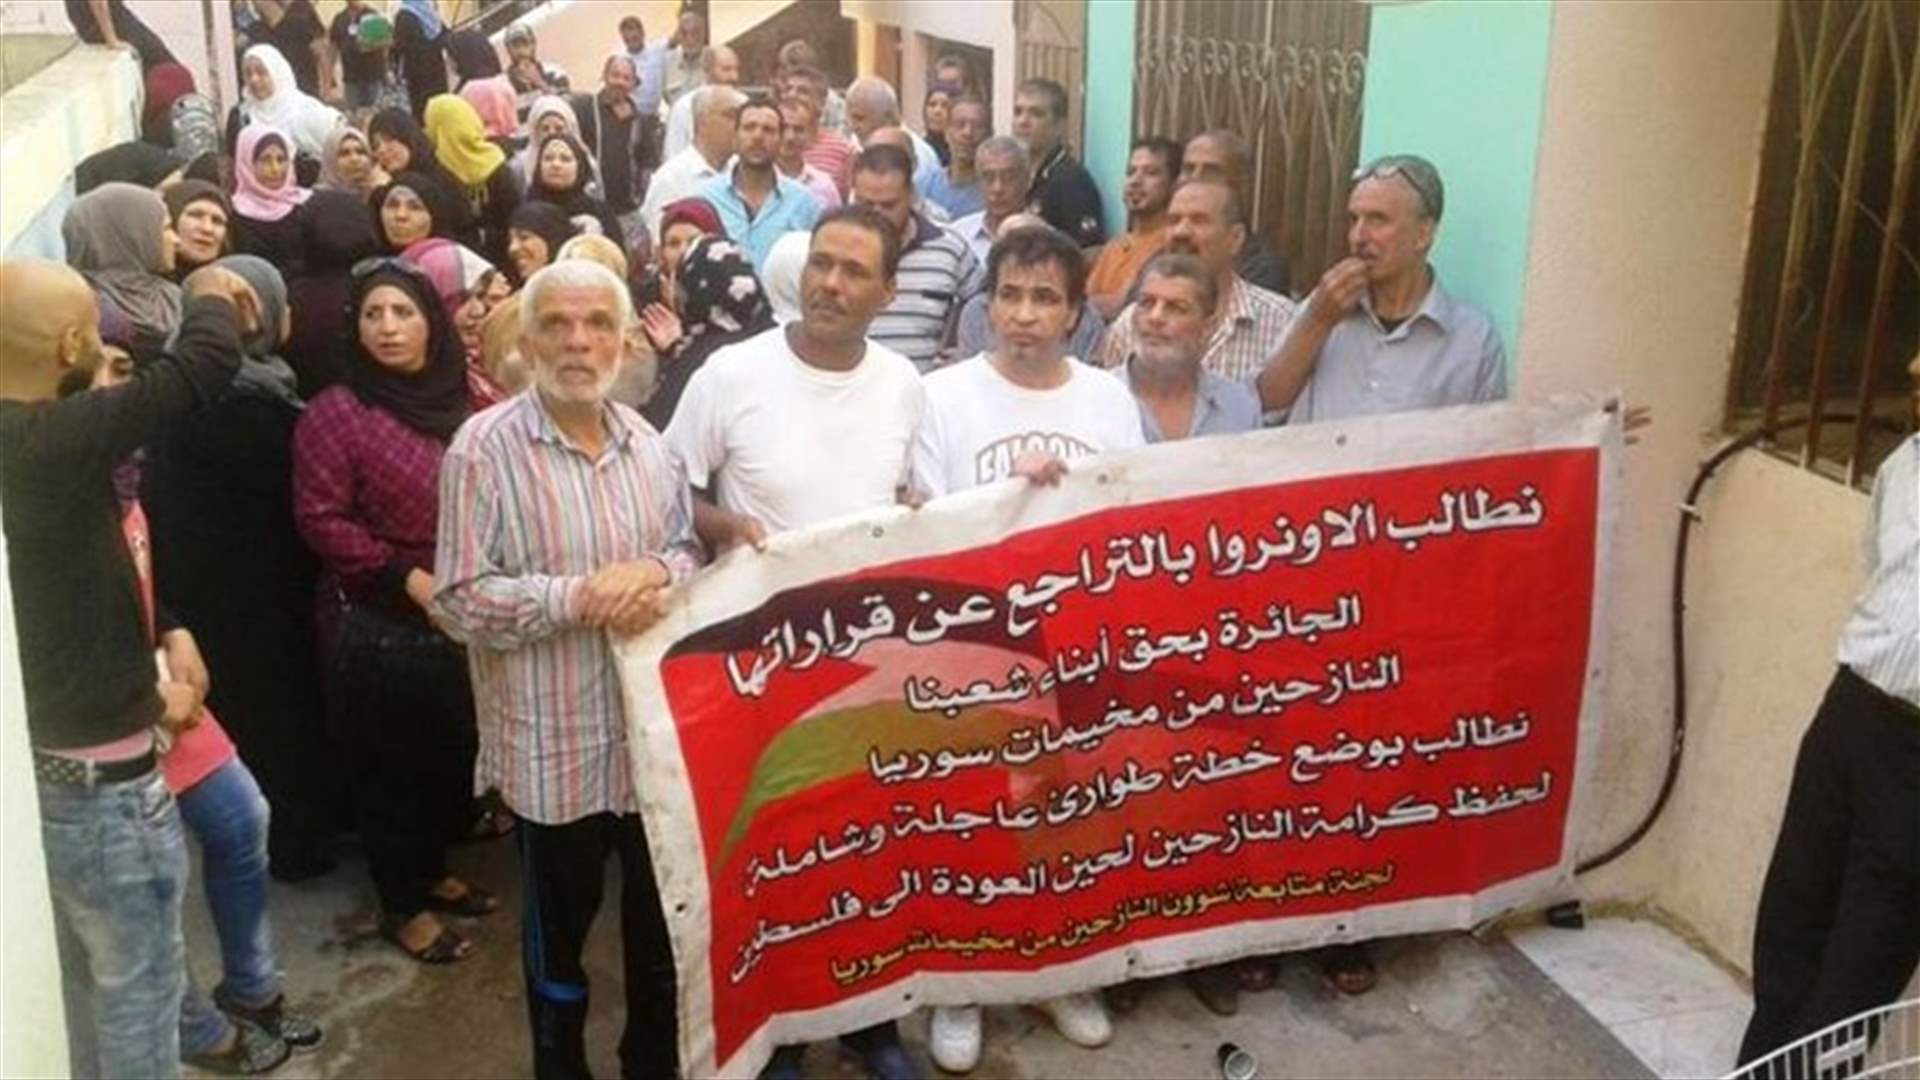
[718, 291]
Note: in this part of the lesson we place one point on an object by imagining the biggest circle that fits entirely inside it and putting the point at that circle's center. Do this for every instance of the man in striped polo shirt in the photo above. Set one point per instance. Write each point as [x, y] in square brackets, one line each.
[938, 270]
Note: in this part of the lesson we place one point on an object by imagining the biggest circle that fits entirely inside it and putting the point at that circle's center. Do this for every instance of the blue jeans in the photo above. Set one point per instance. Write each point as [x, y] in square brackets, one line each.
[228, 816]
[117, 867]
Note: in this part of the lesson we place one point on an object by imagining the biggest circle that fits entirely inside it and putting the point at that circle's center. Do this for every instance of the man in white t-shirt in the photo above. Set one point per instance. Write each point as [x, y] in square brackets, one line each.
[811, 420]
[801, 424]
[1022, 409]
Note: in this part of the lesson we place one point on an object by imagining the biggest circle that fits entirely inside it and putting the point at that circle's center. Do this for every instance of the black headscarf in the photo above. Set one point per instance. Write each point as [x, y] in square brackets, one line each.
[338, 231]
[473, 55]
[721, 302]
[433, 400]
[187, 192]
[398, 123]
[547, 221]
[432, 193]
[135, 162]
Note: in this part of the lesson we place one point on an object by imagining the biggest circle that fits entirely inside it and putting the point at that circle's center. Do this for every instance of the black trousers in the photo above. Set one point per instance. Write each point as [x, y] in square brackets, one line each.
[1839, 922]
[406, 711]
[563, 871]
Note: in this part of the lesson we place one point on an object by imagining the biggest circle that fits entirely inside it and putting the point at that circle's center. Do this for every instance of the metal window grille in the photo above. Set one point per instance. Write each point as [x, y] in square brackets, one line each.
[1288, 77]
[1830, 312]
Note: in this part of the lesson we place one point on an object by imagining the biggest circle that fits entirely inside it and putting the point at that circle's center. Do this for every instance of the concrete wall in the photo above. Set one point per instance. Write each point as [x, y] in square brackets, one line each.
[986, 23]
[33, 1027]
[1461, 84]
[579, 35]
[180, 23]
[84, 102]
[1649, 153]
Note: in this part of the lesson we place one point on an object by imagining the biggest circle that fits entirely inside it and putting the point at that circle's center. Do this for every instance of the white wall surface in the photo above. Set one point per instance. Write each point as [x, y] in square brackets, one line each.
[180, 23]
[1649, 155]
[986, 23]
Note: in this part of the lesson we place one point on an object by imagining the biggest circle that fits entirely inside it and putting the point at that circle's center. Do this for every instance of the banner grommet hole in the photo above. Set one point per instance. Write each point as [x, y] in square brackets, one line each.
[878, 532]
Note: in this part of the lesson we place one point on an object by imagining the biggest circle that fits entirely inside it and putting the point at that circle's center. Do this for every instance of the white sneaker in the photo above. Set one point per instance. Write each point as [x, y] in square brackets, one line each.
[1080, 1018]
[953, 1038]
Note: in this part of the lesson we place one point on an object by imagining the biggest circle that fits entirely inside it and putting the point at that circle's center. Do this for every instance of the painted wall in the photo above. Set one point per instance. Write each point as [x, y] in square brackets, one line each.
[85, 102]
[1460, 84]
[33, 1026]
[1111, 28]
[986, 23]
[179, 23]
[1634, 155]
[579, 35]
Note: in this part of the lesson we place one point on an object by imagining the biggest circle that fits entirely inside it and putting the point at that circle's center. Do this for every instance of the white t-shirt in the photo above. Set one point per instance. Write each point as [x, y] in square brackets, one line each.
[978, 423]
[776, 438]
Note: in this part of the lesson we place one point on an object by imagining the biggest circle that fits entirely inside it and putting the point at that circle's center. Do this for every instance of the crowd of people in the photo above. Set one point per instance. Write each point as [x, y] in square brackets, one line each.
[373, 416]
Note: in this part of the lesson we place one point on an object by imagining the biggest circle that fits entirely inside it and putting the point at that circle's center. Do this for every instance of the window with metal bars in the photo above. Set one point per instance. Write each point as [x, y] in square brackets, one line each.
[1830, 311]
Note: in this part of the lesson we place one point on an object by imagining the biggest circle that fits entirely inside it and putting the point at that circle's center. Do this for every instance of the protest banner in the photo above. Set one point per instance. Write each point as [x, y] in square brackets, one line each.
[1203, 700]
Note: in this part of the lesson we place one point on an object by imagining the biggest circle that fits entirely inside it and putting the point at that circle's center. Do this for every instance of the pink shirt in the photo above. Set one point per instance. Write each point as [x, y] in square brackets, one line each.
[201, 749]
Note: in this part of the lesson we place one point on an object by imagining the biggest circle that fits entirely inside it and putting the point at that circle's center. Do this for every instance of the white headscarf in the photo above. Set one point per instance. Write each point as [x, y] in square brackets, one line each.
[527, 162]
[306, 119]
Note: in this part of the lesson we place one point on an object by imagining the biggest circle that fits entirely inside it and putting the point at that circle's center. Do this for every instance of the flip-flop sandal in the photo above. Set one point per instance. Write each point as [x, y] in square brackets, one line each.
[1255, 974]
[1349, 968]
[448, 947]
[488, 826]
[471, 904]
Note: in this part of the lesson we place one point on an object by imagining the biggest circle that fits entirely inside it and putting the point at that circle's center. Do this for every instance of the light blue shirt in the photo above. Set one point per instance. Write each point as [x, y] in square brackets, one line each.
[650, 64]
[1220, 407]
[958, 201]
[790, 208]
[1446, 353]
[1881, 642]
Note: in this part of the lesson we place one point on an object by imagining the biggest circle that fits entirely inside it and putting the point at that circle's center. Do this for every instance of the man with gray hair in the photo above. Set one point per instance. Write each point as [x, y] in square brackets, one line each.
[1223, 154]
[685, 173]
[563, 516]
[1172, 315]
[1005, 175]
[723, 69]
[872, 104]
[1379, 334]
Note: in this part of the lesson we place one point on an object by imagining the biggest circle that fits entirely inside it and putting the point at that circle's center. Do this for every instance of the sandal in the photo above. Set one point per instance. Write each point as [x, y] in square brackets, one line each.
[488, 825]
[1348, 968]
[448, 947]
[470, 904]
[1255, 973]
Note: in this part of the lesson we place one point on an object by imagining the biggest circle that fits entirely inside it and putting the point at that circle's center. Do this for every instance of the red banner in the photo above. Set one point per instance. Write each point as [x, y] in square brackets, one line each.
[1157, 734]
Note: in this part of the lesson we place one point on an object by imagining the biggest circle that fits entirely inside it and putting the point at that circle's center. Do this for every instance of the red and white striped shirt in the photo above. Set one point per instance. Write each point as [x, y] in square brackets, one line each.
[525, 518]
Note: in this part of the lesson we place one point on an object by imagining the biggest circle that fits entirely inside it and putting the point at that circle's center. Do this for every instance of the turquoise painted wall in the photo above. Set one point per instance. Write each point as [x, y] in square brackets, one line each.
[1463, 84]
[1109, 103]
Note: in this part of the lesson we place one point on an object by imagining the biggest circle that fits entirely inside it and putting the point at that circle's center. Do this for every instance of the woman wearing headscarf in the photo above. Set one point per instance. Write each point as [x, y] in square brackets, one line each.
[269, 96]
[780, 275]
[419, 42]
[681, 223]
[473, 57]
[409, 208]
[546, 117]
[479, 167]
[400, 145]
[202, 221]
[195, 125]
[534, 237]
[266, 197]
[562, 175]
[347, 164]
[119, 238]
[493, 100]
[366, 480]
[339, 232]
[133, 162]
[720, 302]
[229, 563]
[469, 288]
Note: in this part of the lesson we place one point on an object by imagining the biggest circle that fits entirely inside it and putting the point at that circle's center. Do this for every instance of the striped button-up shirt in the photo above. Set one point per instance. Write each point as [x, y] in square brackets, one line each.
[526, 517]
[1881, 642]
[937, 274]
[1248, 332]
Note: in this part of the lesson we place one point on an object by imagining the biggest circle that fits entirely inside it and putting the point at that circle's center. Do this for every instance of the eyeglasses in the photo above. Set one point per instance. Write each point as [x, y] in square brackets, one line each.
[1418, 172]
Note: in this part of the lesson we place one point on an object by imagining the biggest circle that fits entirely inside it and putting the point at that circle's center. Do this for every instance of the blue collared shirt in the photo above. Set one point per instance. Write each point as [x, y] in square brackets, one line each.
[1446, 353]
[790, 208]
[958, 201]
[1220, 407]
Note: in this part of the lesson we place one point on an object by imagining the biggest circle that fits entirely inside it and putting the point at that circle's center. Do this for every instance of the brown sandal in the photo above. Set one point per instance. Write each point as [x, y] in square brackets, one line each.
[1349, 968]
[447, 947]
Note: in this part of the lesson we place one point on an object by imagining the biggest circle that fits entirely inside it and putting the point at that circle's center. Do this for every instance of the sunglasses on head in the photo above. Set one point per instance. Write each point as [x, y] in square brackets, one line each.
[1417, 174]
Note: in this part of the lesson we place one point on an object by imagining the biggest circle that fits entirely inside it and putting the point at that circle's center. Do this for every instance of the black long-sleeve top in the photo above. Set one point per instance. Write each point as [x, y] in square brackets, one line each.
[85, 656]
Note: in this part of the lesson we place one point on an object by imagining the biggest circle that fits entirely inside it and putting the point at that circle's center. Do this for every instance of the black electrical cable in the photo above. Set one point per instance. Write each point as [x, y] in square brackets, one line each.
[1688, 515]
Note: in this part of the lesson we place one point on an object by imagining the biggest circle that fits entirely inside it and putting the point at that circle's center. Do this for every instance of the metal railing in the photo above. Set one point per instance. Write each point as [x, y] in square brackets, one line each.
[1882, 1042]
